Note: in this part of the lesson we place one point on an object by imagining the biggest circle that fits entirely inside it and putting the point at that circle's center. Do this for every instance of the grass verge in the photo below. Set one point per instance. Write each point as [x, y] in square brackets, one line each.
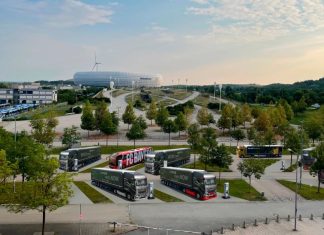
[240, 188]
[136, 167]
[306, 191]
[291, 168]
[201, 166]
[165, 197]
[91, 193]
[103, 164]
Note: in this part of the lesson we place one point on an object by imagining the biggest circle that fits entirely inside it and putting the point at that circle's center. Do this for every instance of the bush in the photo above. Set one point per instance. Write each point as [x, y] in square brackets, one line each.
[175, 110]
[213, 106]
[77, 110]
[138, 104]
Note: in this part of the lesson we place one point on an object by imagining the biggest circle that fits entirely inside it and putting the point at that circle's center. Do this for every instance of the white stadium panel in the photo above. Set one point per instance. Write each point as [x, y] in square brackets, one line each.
[120, 79]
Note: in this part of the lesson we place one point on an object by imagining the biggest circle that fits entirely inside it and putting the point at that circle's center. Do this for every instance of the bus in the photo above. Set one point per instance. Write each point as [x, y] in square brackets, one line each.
[306, 159]
[267, 151]
[129, 157]
[75, 158]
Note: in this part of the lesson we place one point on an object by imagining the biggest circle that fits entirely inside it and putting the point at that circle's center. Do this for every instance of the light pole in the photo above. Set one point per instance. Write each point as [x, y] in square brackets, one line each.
[214, 91]
[133, 82]
[186, 85]
[117, 126]
[220, 97]
[295, 222]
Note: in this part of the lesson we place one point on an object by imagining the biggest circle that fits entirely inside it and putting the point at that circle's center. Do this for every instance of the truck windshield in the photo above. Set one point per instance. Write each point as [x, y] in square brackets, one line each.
[141, 182]
[149, 159]
[64, 156]
[210, 181]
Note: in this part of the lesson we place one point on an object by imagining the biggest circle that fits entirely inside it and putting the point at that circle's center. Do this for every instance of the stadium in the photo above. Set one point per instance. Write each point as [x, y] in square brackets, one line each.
[120, 79]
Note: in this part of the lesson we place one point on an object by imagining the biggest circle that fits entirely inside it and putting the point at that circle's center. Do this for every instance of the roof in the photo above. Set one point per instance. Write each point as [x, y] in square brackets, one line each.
[183, 169]
[90, 147]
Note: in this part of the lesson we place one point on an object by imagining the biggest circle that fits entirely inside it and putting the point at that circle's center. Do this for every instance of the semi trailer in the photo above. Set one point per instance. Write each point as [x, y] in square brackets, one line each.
[259, 151]
[75, 158]
[129, 157]
[129, 184]
[174, 157]
[195, 183]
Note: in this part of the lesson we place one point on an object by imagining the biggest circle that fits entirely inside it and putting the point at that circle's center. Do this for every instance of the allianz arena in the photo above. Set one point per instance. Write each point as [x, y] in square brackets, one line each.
[120, 79]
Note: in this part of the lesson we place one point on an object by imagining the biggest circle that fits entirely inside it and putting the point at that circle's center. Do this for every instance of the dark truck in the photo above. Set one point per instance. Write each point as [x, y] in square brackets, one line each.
[195, 183]
[129, 184]
[174, 157]
[73, 159]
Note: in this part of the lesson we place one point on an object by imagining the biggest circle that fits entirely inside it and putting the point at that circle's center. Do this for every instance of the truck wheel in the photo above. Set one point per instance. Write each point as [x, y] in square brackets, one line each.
[198, 196]
[184, 190]
[115, 191]
[128, 196]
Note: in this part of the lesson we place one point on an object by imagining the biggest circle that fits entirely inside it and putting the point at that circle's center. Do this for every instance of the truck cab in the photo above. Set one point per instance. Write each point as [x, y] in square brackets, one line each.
[150, 163]
[210, 186]
[64, 161]
[140, 186]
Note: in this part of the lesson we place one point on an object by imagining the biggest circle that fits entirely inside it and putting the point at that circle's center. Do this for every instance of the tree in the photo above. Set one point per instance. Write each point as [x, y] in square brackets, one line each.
[115, 118]
[46, 190]
[136, 132]
[318, 167]
[181, 122]
[88, 121]
[169, 127]
[262, 122]
[100, 111]
[221, 157]
[268, 137]
[313, 128]
[129, 115]
[246, 113]
[107, 126]
[203, 116]
[251, 134]
[208, 143]
[194, 139]
[162, 116]
[141, 121]
[71, 136]
[151, 113]
[238, 135]
[225, 120]
[43, 130]
[250, 167]
[288, 110]
[237, 118]
[6, 168]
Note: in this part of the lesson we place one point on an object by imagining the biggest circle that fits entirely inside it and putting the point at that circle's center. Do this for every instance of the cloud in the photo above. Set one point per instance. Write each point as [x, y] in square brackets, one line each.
[61, 13]
[76, 13]
[161, 34]
[200, 1]
[255, 20]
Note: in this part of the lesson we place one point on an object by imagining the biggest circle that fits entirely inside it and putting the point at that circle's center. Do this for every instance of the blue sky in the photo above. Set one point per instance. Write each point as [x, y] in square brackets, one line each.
[204, 41]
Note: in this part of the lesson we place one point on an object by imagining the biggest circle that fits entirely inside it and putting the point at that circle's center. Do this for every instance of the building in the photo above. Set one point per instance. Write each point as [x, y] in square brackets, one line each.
[120, 79]
[27, 94]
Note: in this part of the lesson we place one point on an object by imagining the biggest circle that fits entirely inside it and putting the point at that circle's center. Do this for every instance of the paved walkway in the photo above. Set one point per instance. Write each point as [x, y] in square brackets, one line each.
[79, 197]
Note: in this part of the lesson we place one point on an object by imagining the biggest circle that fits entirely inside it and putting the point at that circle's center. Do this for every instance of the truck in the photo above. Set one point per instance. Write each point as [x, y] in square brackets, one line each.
[129, 184]
[195, 183]
[322, 176]
[129, 157]
[75, 158]
[174, 157]
[306, 159]
[258, 151]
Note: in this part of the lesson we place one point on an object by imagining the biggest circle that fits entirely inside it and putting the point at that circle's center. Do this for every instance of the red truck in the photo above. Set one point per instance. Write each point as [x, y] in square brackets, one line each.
[129, 157]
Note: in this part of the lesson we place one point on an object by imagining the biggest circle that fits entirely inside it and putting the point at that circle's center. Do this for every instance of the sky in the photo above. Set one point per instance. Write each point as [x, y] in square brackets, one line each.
[193, 41]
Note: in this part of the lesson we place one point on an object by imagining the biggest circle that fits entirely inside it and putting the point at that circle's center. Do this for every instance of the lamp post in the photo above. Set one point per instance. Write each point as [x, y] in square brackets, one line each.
[220, 97]
[133, 82]
[117, 126]
[296, 189]
[214, 91]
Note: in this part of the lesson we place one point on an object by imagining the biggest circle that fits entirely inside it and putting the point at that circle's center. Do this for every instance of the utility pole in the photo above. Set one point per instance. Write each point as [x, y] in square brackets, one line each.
[186, 85]
[117, 127]
[133, 82]
[214, 91]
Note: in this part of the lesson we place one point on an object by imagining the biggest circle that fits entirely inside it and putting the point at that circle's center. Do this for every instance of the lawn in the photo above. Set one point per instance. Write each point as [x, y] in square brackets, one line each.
[136, 167]
[118, 92]
[179, 94]
[265, 161]
[240, 188]
[201, 166]
[202, 100]
[299, 117]
[306, 191]
[103, 164]
[91, 193]
[165, 197]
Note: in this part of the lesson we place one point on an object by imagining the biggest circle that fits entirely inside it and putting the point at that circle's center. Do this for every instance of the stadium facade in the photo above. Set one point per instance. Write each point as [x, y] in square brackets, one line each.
[120, 79]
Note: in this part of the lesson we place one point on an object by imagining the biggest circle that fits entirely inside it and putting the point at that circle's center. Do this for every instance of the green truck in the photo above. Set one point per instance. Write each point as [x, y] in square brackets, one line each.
[195, 183]
[129, 184]
[75, 158]
[174, 157]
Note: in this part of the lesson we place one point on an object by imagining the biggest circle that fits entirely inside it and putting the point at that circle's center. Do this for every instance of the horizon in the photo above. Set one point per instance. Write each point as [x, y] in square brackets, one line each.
[204, 41]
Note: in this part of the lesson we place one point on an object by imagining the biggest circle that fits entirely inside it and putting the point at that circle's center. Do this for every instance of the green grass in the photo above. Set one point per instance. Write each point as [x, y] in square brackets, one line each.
[136, 167]
[103, 164]
[179, 94]
[265, 162]
[291, 168]
[201, 100]
[91, 193]
[299, 117]
[240, 188]
[118, 92]
[306, 191]
[201, 166]
[165, 197]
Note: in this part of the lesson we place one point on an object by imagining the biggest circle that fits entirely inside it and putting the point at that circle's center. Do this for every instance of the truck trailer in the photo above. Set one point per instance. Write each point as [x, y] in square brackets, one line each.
[195, 183]
[73, 159]
[129, 184]
[174, 157]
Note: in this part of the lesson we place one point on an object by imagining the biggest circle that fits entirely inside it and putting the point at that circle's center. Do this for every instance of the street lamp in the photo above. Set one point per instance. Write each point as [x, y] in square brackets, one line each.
[220, 97]
[214, 91]
[133, 82]
[117, 126]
